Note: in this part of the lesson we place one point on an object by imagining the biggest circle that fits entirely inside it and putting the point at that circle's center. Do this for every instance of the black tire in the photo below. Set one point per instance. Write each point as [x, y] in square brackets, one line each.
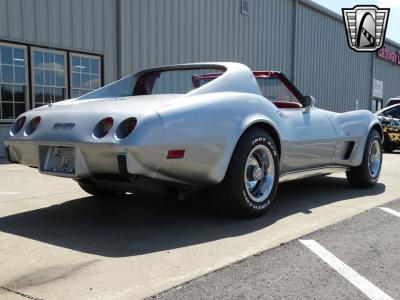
[361, 176]
[231, 194]
[96, 191]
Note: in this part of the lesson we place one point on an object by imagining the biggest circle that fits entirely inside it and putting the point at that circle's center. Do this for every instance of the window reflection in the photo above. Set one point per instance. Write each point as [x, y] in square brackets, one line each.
[7, 110]
[6, 92]
[19, 108]
[85, 74]
[49, 76]
[13, 81]
[19, 73]
[7, 73]
[6, 55]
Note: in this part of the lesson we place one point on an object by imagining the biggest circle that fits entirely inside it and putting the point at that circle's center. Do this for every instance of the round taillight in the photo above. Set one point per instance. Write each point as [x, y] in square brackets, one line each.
[103, 127]
[17, 125]
[32, 125]
[125, 128]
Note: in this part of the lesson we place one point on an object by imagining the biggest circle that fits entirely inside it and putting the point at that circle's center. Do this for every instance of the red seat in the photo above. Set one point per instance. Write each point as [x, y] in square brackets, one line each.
[286, 104]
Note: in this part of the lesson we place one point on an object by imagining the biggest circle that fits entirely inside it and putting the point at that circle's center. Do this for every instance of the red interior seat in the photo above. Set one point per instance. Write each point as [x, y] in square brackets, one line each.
[286, 104]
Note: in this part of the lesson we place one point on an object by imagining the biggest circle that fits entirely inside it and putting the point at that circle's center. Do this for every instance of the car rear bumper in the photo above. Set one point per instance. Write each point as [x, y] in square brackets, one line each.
[114, 159]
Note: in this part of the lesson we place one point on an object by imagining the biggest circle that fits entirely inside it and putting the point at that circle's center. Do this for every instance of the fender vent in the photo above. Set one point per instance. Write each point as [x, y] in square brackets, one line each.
[349, 150]
[246, 7]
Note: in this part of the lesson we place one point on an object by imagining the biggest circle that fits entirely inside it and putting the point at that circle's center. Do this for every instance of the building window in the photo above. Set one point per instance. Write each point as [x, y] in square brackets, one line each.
[49, 82]
[377, 104]
[13, 81]
[85, 75]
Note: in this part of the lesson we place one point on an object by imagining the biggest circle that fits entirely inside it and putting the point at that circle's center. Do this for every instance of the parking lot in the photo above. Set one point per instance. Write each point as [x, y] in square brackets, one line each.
[57, 242]
[368, 244]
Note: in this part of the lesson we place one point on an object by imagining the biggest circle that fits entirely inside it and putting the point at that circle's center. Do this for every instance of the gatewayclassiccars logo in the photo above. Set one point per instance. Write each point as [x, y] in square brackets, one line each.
[365, 27]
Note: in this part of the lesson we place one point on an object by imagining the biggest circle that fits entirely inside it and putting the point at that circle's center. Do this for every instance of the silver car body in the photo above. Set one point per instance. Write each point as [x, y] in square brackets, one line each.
[206, 122]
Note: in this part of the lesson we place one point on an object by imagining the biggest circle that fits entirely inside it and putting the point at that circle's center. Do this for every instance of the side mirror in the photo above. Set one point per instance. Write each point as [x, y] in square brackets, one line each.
[308, 102]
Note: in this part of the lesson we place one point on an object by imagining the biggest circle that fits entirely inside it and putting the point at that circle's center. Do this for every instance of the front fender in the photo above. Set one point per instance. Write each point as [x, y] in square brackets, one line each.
[354, 126]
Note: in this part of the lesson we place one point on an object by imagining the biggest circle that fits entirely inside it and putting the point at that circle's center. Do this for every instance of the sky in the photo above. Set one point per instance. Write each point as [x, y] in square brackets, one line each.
[393, 30]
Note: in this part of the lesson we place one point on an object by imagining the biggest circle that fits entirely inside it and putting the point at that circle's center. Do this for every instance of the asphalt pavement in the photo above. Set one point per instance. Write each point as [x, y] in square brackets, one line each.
[368, 243]
[57, 242]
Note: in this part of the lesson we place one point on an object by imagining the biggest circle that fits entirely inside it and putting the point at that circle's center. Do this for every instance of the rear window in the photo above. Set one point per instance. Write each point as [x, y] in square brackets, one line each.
[393, 112]
[179, 81]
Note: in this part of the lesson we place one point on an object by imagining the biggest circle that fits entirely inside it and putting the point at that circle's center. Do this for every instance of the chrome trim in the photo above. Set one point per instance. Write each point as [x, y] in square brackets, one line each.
[259, 173]
[374, 159]
[301, 174]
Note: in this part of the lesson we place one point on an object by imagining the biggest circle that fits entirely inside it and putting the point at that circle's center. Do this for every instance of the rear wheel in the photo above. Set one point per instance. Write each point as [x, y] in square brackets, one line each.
[96, 191]
[251, 181]
[367, 174]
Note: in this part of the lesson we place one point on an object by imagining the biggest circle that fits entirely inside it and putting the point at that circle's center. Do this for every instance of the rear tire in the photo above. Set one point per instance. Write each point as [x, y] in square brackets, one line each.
[94, 190]
[367, 174]
[251, 181]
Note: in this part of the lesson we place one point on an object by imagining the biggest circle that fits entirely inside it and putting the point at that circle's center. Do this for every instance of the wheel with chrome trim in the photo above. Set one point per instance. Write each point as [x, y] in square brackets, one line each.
[251, 181]
[367, 174]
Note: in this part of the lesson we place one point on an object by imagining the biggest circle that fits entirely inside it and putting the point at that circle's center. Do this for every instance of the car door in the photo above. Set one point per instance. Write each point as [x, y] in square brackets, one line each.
[309, 139]
[391, 124]
[308, 136]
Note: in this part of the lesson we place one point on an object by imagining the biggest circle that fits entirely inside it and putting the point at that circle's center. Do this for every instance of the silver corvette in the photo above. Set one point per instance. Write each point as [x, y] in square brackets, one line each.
[183, 128]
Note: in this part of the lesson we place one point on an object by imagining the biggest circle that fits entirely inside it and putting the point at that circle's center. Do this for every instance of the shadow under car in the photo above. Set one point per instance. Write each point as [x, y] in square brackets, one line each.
[139, 225]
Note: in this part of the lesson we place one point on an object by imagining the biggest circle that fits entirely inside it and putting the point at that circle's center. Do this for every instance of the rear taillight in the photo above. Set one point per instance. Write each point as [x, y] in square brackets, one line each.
[103, 127]
[176, 154]
[32, 125]
[17, 126]
[125, 128]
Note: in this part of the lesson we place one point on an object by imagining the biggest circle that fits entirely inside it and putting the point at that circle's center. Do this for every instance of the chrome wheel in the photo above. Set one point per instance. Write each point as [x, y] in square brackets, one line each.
[375, 158]
[259, 173]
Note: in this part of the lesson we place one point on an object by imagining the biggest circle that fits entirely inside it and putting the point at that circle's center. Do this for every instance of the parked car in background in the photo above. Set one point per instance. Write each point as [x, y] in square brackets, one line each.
[390, 121]
[188, 127]
[393, 101]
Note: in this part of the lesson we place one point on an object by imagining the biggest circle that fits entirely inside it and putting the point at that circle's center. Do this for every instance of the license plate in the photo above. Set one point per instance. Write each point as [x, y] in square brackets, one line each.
[59, 160]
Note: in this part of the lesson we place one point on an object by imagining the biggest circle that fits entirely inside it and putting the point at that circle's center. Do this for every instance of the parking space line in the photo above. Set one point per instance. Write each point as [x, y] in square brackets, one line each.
[390, 211]
[365, 286]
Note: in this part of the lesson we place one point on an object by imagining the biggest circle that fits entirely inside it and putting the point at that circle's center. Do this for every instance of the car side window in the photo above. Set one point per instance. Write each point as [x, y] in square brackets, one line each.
[393, 112]
[274, 90]
[393, 102]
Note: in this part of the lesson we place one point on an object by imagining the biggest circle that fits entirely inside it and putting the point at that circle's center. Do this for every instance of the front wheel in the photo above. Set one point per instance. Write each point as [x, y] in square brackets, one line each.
[367, 174]
[251, 181]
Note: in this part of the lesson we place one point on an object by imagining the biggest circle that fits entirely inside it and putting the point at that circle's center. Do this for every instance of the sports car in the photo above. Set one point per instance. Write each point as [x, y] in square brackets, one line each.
[184, 128]
[393, 101]
[390, 120]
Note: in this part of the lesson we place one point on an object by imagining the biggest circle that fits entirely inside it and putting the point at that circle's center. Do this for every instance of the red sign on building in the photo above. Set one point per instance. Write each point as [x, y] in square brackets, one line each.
[388, 55]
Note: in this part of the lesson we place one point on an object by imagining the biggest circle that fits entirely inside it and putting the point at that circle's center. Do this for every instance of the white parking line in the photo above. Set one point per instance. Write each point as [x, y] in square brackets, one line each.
[10, 193]
[369, 289]
[391, 211]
